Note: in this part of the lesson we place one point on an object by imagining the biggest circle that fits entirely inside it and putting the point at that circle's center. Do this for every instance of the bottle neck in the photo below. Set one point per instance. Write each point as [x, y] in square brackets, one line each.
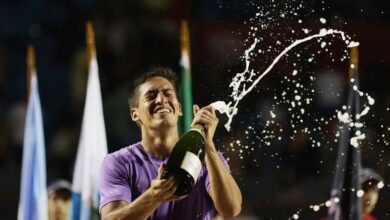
[199, 128]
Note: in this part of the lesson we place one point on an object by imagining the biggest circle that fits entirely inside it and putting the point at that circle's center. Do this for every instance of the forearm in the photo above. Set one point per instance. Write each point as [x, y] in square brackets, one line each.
[223, 188]
[139, 209]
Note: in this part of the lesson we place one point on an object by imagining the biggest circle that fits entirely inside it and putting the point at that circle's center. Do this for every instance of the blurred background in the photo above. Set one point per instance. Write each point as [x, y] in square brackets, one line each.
[278, 177]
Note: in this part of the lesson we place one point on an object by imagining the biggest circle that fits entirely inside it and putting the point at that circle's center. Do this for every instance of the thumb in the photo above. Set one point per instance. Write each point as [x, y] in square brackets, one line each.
[161, 170]
[195, 108]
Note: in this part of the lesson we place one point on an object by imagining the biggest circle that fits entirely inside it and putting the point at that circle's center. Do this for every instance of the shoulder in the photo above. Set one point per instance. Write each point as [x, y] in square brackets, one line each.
[122, 156]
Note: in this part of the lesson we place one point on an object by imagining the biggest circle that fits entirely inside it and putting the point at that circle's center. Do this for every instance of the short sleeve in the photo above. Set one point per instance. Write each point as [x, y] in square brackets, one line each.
[207, 182]
[114, 185]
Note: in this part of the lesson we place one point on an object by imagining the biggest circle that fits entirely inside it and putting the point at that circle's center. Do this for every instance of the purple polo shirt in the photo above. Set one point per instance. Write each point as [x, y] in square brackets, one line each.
[128, 172]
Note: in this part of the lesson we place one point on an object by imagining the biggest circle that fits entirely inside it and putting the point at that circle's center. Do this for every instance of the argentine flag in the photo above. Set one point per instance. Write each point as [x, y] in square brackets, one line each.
[91, 151]
[33, 194]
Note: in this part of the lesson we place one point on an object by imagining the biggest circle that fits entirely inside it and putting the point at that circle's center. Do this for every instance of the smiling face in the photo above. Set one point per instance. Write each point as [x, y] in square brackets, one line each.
[158, 106]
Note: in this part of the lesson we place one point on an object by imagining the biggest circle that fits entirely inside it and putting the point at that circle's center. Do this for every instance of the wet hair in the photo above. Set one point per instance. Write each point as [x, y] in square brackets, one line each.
[153, 71]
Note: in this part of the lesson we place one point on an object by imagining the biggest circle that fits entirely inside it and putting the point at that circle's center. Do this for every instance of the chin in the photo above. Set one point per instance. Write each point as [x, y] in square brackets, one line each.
[164, 124]
[367, 210]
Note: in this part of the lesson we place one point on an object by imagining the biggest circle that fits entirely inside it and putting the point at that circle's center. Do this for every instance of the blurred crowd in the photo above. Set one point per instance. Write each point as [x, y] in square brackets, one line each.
[276, 179]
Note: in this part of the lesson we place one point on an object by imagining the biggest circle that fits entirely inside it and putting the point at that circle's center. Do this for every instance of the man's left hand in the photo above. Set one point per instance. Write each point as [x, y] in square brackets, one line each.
[206, 116]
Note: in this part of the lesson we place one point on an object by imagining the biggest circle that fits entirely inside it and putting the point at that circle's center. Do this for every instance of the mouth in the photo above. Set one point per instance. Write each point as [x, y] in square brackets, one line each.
[162, 110]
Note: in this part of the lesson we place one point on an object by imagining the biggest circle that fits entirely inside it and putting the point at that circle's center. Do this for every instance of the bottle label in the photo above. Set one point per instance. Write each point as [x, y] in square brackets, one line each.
[192, 165]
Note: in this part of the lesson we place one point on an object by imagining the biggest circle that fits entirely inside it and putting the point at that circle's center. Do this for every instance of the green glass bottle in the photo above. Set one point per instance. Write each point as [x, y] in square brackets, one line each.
[185, 161]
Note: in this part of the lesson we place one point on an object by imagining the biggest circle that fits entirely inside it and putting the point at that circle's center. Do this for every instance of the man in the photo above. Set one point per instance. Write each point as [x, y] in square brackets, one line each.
[131, 187]
[371, 183]
[59, 193]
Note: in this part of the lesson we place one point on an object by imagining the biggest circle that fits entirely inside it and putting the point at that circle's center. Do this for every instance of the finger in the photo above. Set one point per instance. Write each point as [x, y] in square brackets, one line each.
[157, 184]
[170, 182]
[210, 109]
[202, 121]
[169, 191]
[212, 116]
[206, 112]
[174, 197]
[195, 108]
[207, 115]
[161, 170]
[207, 118]
[172, 186]
[162, 184]
[195, 120]
[179, 197]
[204, 118]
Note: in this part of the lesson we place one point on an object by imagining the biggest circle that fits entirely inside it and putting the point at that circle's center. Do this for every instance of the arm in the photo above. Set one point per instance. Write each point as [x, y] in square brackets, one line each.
[160, 191]
[140, 208]
[223, 188]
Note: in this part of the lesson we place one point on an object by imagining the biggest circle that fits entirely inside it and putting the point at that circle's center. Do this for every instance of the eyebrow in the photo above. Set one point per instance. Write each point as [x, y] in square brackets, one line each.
[151, 91]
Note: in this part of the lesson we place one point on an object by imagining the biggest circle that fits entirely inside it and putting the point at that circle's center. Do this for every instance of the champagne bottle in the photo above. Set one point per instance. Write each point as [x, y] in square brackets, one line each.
[185, 161]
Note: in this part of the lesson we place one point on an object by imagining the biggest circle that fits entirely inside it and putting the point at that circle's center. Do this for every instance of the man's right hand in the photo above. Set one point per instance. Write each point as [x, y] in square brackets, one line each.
[163, 189]
[160, 190]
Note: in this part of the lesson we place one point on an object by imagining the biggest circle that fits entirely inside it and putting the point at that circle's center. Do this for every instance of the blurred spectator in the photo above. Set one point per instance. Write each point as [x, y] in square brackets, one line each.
[59, 197]
[372, 182]
[15, 125]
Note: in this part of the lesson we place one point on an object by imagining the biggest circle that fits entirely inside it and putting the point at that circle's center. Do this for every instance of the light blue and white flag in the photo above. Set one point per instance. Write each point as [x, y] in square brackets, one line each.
[91, 151]
[33, 194]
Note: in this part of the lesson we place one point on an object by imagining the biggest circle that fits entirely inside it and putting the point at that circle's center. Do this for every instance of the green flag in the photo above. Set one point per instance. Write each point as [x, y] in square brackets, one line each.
[185, 79]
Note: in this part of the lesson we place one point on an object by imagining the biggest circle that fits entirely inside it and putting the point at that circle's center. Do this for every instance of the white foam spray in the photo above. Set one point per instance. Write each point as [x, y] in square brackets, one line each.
[240, 89]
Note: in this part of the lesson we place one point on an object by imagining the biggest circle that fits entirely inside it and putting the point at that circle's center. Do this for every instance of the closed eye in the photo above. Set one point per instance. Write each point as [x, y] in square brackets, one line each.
[150, 95]
[168, 92]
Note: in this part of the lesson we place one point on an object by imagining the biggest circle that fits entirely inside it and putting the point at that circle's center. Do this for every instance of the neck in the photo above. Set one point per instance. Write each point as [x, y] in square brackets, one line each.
[159, 143]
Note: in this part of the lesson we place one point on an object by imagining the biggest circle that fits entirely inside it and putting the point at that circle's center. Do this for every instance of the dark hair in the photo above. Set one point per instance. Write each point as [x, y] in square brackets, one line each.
[59, 189]
[369, 178]
[150, 72]
[63, 194]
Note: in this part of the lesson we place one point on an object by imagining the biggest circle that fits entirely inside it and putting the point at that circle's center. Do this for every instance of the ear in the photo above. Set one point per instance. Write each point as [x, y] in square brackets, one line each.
[180, 110]
[134, 114]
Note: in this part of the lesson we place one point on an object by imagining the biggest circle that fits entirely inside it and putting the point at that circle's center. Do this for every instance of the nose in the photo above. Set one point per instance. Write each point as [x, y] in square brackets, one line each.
[161, 98]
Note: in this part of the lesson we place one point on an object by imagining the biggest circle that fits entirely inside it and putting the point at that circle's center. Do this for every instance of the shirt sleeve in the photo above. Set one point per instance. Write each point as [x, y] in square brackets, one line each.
[207, 182]
[114, 185]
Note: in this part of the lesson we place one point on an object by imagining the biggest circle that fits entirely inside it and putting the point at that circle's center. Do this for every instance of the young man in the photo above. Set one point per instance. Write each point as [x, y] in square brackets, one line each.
[131, 187]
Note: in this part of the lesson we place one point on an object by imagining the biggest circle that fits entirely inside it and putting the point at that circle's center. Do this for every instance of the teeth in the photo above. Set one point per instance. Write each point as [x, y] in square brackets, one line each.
[163, 110]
